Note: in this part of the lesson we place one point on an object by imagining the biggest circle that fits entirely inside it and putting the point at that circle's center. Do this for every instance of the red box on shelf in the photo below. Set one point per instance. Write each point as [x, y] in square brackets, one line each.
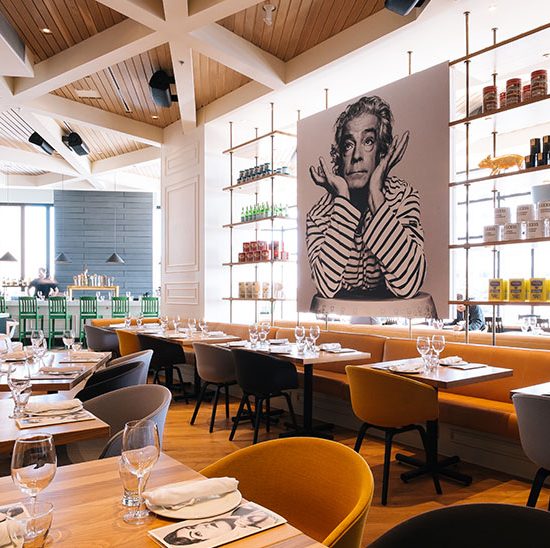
[242, 257]
[257, 256]
[249, 257]
[265, 254]
[262, 246]
[246, 247]
[253, 246]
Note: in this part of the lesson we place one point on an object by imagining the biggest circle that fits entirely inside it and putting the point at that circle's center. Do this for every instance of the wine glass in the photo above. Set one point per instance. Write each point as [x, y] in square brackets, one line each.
[300, 333]
[139, 320]
[140, 452]
[423, 346]
[314, 333]
[128, 321]
[33, 463]
[264, 331]
[41, 350]
[192, 324]
[253, 335]
[524, 325]
[532, 323]
[203, 326]
[68, 340]
[176, 322]
[438, 344]
[19, 382]
[37, 336]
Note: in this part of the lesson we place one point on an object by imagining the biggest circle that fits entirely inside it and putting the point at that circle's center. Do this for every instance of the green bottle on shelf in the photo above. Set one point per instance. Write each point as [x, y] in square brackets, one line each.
[243, 215]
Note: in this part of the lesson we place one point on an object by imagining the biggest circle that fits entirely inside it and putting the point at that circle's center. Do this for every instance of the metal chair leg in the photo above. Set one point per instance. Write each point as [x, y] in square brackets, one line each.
[257, 419]
[214, 407]
[267, 414]
[386, 473]
[226, 386]
[538, 481]
[244, 400]
[291, 410]
[198, 404]
[360, 436]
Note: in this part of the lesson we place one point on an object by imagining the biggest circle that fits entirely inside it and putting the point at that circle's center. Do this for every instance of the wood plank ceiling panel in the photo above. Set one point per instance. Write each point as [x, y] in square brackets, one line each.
[298, 25]
[15, 132]
[70, 22]
[124, 88]
[19, 169]
[213, 80]
[151, 170]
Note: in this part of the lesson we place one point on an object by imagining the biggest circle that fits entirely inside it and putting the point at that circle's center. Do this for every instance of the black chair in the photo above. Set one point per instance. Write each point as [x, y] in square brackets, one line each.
[113, 378]
[141, 356]
[263, 377]
[215, 366]
[102, 340]
[471, 525]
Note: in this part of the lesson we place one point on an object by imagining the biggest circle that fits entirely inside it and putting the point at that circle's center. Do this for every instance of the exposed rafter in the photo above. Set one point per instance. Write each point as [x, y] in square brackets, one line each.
[204, 12]
[137, 157]
[36, 160]
[147, 12]
[182, 65]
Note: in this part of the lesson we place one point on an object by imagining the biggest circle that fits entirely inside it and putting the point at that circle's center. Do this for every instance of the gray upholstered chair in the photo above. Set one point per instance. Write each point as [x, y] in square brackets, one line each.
[144, 356]
[102, 340]
[533, 419]
[215, 366]
[146, 401]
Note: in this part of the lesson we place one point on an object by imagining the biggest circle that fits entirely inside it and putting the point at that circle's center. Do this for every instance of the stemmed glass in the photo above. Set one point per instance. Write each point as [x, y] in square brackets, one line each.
[192, 325]
[19, 382]
[33, 463]
[139, 320]
[423, 346]
[438, 345]
[203, 326]
[300, 333]
[264, 330]
[524, 325]
[314, 333]
[41, 350]
[128, 321]
[176, 322]
[253, 335]
[37, 336]
[68, 340]
[140, 452]
[532, 323]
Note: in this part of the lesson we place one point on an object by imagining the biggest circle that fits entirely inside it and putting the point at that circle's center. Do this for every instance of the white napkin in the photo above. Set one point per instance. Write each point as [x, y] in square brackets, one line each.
[278, 341]
[35, 408]
[280, 349]
[5, 539]
[84, 355]
[451, 360]
[330, 346]
[61, 369]
[216, 334]
[185, 492]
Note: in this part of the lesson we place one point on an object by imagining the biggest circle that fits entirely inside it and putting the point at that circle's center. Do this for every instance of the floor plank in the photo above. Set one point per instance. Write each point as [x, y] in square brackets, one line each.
[195, 447]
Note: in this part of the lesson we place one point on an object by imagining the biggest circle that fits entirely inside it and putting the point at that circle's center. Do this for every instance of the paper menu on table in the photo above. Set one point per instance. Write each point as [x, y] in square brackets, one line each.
[34, 421]
[245, 520]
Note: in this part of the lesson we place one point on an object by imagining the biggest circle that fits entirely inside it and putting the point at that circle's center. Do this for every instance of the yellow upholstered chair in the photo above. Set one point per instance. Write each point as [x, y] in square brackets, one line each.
[128, 342]
[321, 487]
[394, 404]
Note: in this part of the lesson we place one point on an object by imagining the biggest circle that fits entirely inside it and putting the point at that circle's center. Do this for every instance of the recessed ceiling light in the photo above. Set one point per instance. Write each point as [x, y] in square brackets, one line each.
[46, 30]
[154, 116]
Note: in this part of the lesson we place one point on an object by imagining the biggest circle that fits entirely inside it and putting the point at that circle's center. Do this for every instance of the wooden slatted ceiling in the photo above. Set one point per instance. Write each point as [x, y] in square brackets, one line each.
[298, 25]
[71, 22]
[132, 77]
[102, 143]
[151, 170]
[213, 80]
[19, 169]
[14, 131]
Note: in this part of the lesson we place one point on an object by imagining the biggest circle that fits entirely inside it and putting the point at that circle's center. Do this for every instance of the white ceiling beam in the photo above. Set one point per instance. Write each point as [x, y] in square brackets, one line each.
[235, 52]
[147, 12]
[175, 12]
[96, 53]
[370, 29]
[50, 130]
[182, 67]
[134, 158]
[72, 111]
[36, 160]
[204, 12]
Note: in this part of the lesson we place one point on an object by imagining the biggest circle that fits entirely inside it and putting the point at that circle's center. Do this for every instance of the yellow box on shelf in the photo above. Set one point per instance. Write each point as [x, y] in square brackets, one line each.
[498, 289]
[537, 289]
[517, 289]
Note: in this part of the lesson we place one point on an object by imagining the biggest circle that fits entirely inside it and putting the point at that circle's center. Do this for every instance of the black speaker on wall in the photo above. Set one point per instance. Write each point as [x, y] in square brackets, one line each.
[160, 89]
[404, 7]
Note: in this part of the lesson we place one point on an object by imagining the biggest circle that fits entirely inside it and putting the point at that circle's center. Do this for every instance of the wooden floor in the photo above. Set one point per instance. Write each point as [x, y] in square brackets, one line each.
[195, 447]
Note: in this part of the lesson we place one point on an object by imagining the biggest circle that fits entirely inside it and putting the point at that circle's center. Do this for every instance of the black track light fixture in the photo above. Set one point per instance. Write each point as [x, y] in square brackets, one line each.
[159, 84]
[37, 140]
[75, 143]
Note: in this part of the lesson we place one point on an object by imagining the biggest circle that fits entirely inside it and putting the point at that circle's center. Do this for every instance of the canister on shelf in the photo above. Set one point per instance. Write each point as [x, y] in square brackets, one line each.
[539, 83]
[242, 290]
[517, 289]
[543, 210]
[542, 159]
[502, 99]
[530, 161]
[502, 215]
[534, 145]
[498, 289]
[526, 93]
[525, 212]
[537, 289]
[492, 233]
[537, 229]
[513, 231]
[242, 257]
[513, 91]
[546, 143]
[489, 98]
[265, 290]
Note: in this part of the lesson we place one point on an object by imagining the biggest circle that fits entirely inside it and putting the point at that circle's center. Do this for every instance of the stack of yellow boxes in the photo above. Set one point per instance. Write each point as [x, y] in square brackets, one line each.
[519, 290]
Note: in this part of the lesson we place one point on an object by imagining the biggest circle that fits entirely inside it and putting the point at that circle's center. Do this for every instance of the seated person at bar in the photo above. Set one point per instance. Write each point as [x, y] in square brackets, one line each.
[43, 285]
[476, 319]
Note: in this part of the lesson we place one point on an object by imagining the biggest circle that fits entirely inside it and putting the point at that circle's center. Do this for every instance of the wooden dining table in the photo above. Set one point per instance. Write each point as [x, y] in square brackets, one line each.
[88, 510]
[441, 377]
[62, 433]
[51, 383]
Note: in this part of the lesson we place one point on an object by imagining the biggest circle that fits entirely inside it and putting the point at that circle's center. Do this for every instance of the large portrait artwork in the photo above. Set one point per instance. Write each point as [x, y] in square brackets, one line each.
[372, 201]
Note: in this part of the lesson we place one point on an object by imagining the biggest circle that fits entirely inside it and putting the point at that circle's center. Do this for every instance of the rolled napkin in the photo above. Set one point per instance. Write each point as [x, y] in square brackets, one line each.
[216, 334]
[330, 346]
[451, 360]
[277, 341]
[36, 408]
[61, 369]
[186, 492]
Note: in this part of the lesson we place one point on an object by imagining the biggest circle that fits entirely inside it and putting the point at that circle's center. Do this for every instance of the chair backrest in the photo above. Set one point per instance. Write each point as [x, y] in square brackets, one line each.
[214, 364]
[28, 306]
[474, 525]
[165, 353]
[88, 306]
[128, 342]
[121, 306]
[102, 340]
[262, 374]
[142, 356]
[2, 304]
[322, 487]
[146, 401]
[150, 306]
[533, 414]
[113, 378]
[57, 305]
[390, 400]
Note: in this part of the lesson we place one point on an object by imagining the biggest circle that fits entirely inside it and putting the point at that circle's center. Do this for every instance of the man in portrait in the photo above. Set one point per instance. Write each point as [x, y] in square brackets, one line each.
[364, 236]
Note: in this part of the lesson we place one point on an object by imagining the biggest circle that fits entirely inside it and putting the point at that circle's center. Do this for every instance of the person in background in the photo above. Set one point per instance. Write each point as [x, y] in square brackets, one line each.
[476, 319]
[44, 285]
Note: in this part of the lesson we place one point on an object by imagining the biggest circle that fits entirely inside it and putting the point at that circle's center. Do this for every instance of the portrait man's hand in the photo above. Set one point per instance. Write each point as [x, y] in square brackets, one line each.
[382, 170]
[323, 176]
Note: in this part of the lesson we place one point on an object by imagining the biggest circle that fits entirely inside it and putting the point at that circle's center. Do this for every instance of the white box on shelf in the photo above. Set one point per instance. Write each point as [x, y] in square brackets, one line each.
[492, 233]
[513, 231]
[543, 210]
[502, 215]
[537, 228]
[525, 212]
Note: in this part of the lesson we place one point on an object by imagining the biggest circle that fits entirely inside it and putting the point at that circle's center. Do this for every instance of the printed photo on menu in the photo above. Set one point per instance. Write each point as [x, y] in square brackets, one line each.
[247, 519]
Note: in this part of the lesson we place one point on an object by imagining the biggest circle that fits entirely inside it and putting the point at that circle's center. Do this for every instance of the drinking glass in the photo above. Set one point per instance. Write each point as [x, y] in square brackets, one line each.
[264, 331]
[29, 524]
[139, 320]
[19, 382]
[129, 484]
[524, 325]
[532, 323]
[253, 335]
[431, 360]
[310, 344]
[438, 344]
[37, 336]
[314, 333]
[192, 324]
[140, 452]
[41, 350]
[437, 324]
[176, 322]
[33, 463]
[300, 333]
[128, 321]
[423, 346]
[203, 326]
[68, 340]
[77, 347]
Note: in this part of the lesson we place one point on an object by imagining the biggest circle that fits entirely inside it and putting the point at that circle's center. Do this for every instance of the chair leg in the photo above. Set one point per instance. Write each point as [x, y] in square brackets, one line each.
[386, 473]
[226, 386]
[360, 437]
[429, 440]
[244, 400]
[267, 414]
[257, 418]
[291, 410]
[214, 407]
[198, 404]
[538, 481]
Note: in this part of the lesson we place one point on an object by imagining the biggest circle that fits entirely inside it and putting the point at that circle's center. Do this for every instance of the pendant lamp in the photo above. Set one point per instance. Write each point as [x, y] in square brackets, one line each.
[115, 258]
[61, 258]
[7, 256]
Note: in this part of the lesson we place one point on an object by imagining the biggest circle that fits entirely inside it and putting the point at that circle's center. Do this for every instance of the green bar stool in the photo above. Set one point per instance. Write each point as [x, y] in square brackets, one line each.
[150, 307]
[121, 307]
[57, 310]
[28, 310]
[88, 311]
[2, 304]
